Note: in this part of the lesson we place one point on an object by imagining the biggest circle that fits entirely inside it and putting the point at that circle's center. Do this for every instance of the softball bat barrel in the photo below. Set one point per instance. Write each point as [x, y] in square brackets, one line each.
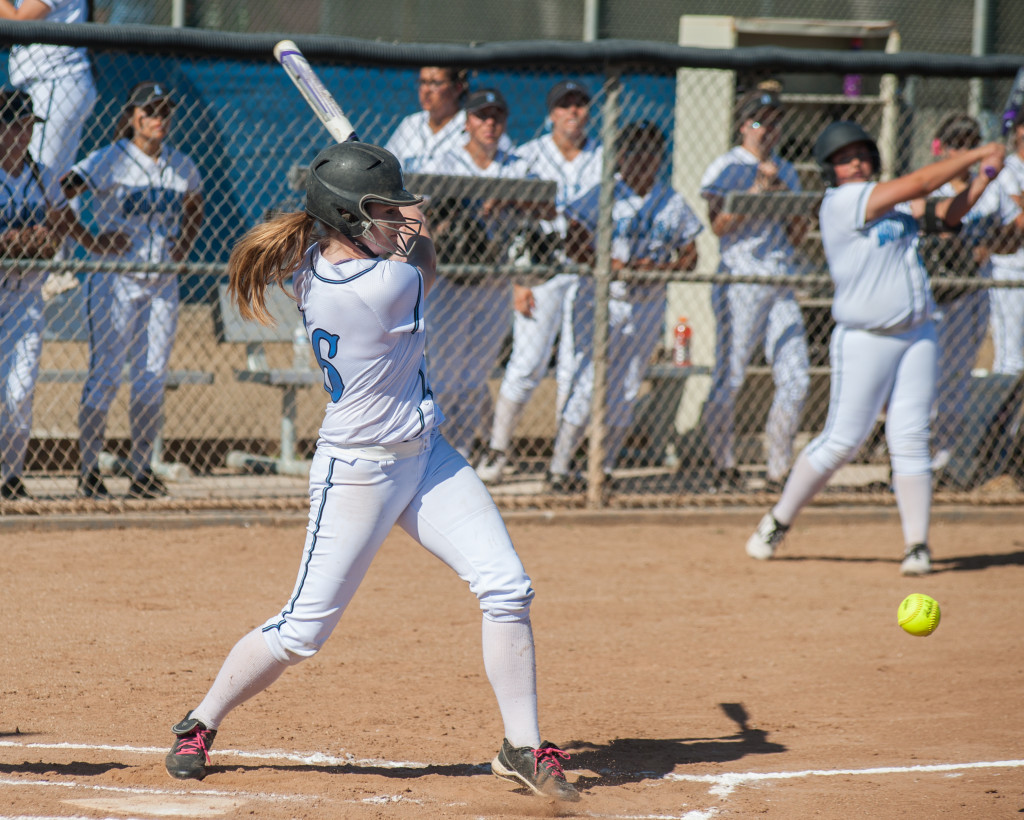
[316, 95]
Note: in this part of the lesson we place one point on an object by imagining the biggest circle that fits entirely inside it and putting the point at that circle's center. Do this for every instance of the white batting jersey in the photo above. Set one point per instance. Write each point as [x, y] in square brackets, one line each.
[653, 226]
[758, 245]
[24, 201]
[880, 281]
[138, 195]
[574, 177]
[39, 61]
[1011, 184]
[364, 318]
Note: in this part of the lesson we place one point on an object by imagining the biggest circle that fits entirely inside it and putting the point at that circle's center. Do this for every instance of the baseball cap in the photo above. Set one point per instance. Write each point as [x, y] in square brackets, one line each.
[563, 89]
[754, 102]
[147, 93]
[486, 98]
[16, 105]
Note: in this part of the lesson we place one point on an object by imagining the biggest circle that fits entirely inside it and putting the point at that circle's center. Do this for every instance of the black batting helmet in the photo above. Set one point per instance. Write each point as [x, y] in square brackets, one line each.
[344, 177]
[838, 135]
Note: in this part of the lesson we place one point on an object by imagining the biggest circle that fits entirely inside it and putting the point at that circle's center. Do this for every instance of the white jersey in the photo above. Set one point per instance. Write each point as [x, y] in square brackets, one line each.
[880, 281]
[364, 318]
[24, 201]
[134, 193]
[758, 245]
[1011, 185]
[39, 61]
[652, 227]
[993, 208]
[574, 177]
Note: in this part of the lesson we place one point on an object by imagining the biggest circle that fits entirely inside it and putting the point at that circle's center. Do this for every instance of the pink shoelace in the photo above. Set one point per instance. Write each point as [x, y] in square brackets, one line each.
[549, 757]
[195, 744]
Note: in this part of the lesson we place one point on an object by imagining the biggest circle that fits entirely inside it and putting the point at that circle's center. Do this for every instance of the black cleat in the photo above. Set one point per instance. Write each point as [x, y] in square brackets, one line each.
[13, 489]
[147, 485]
[539, 770]
[90, 485]
[191, 750]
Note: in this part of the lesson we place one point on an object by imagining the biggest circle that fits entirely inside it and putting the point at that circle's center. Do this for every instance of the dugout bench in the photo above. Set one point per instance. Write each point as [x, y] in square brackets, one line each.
[229, 326]
[67, 321]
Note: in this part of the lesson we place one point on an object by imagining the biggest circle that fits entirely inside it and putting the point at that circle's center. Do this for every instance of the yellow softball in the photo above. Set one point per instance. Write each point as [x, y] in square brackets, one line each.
[919, 615]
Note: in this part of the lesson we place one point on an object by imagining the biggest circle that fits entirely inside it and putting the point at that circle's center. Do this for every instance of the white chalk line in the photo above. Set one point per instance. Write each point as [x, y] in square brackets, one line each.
[724, 784]
[140, 790]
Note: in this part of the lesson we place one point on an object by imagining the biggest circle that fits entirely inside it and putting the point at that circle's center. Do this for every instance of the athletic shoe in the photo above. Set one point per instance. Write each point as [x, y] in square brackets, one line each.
[491, 467]
[147, 485]
[190, 753]
[540, 770]
[90, 485]
[13, 489]
[766, 538]
[917, 560]
[729, 480]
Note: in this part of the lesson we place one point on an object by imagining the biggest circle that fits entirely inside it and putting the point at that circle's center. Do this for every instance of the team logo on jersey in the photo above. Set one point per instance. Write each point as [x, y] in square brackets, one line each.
[894, 228]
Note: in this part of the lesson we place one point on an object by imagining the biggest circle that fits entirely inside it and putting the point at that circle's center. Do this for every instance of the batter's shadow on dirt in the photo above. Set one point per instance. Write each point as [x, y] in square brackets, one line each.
[394, 772]
[73, 769]
[631, 760]
[962, 563]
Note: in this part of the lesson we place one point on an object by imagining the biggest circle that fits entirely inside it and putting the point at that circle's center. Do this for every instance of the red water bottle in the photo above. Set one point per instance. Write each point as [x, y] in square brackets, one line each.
[681, 343]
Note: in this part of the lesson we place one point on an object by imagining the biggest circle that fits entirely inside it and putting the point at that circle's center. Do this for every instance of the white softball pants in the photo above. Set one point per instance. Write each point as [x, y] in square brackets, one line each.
[21, 344]
[534, 337]
[64, 104]
[1007, 321]
[355, 500]
[871, 371]
[746, 316]
[466, 325]
[132, 319]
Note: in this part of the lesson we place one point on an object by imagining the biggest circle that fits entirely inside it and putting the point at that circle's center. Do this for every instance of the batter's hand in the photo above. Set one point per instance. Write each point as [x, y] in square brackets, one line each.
[523, 301]
[995, 156]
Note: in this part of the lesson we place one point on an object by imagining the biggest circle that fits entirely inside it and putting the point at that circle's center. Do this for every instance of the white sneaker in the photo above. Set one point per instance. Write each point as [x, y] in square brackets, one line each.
[492, 466]
[766, 538]
[917, 560]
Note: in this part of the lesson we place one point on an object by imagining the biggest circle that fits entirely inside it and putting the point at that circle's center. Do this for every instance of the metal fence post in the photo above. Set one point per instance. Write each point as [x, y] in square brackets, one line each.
[602, 280]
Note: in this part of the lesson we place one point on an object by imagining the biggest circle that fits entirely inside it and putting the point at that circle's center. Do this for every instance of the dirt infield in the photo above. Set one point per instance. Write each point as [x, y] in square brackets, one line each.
[687, 680]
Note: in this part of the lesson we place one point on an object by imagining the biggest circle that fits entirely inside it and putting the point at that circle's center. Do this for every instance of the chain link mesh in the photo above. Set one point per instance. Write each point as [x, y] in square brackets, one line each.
[241, 407]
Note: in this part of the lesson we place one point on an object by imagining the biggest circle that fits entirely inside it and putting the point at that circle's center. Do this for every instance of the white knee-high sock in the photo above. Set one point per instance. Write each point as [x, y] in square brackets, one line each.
[803, 484]
[567, 441]
[248, 669]
[914, 500]
[509, 661]
[506, 418]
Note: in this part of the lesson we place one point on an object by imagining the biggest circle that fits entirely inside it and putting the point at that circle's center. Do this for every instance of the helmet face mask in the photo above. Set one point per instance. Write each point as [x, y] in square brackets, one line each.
[836, 136]
[345, 179]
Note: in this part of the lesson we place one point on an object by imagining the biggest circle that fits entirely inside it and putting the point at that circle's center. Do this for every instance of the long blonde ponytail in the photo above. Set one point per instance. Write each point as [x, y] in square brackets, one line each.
[268, 254]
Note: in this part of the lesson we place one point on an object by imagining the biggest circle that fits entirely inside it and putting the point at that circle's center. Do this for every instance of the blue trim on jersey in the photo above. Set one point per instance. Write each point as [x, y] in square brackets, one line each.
[347, 279]
[417, 318]
[309, 553]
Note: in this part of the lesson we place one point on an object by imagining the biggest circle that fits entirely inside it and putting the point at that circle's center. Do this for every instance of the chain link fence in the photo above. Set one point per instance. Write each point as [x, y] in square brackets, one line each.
[618, 390]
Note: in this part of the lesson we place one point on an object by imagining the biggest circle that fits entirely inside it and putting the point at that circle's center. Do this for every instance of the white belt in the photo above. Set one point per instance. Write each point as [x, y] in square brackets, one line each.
[387, 452]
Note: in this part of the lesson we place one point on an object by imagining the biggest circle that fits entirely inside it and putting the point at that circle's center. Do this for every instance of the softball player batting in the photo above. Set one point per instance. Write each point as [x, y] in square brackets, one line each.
[149, 192]
[469, 319]
[59, 78]
[653, 229]
[747, 315]
[570, 158]
[380, 460]
[1008, 303]
[883, 350]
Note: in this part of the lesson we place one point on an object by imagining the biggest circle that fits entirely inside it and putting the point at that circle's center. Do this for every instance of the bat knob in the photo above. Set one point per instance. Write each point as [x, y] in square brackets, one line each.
[990, 172]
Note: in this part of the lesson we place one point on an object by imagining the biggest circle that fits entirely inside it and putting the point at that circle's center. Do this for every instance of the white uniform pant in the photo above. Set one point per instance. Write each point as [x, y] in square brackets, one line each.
[64, 104]
[466, 325]
[21, 343]
[746, 316]
[1007, 321]
[871, 371]
[436, 497]
[132, 319]
[960, 327]
[534, 337]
